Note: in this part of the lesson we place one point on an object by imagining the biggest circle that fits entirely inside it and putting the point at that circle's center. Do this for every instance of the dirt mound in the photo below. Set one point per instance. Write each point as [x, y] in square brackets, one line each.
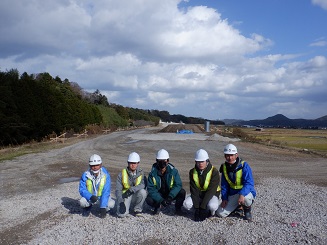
[173, 128]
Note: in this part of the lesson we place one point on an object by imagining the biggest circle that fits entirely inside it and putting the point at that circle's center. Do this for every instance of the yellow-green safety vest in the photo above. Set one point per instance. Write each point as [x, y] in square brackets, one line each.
[238, 180]
[89, 185]
[171, 182]
[206, 182]
[124, 177]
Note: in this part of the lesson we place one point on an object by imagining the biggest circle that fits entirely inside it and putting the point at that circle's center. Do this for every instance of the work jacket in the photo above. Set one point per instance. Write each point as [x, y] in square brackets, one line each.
[173, 183]
[238, 180]
[127, 180]
[98, 186]
[208, 181]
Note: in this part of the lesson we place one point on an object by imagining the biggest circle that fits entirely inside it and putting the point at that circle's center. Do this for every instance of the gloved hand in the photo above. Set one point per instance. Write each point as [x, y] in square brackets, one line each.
[203, 214]
[103, 213]
[127, 193]
[122, 208]
[169, 200]
[93, 199]
[197, 215]
[165, 203]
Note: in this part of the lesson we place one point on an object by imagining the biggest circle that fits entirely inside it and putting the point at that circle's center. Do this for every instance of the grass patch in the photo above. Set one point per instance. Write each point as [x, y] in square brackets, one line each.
[10, 152]
[311, 140]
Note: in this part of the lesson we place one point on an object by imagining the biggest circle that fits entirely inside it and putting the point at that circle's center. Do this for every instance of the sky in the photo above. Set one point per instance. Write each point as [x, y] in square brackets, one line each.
[213, 59]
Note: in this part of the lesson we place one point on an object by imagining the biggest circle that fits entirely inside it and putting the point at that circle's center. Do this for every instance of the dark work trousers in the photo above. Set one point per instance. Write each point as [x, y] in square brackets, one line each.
[178, 204]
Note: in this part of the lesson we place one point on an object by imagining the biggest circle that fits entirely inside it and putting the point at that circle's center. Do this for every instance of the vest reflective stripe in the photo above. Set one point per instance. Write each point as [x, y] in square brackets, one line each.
[238, 180]
[124, 177]
[206, 182]
[171, 182]
[89, 186]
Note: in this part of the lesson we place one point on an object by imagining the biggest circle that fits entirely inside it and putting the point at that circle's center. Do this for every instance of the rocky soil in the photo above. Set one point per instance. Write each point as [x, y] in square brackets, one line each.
[39, 195]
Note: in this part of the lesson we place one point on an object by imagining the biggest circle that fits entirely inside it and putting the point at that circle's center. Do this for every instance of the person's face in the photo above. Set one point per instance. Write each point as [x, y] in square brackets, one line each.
[231, 158]
[201, 164]
[133, 166]
[95, 168]
[162, 163]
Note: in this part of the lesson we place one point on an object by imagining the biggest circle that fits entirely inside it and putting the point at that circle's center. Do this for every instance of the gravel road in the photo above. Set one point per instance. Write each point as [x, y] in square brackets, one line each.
[39, 195]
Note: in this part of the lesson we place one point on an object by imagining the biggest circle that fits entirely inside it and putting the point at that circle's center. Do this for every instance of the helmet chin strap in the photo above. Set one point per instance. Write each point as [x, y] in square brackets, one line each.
[95, 172]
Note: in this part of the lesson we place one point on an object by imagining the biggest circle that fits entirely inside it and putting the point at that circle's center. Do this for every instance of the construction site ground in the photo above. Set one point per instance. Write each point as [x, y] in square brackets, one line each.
[31, 174]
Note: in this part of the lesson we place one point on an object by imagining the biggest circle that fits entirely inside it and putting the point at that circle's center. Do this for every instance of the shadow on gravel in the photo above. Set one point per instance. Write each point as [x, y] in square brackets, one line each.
[24, 232]
[72, 205]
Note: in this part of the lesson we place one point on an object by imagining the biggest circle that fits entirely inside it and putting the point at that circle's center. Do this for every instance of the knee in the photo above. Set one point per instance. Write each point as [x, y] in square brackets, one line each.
[142, 193]
[213, 206]
[188, 204]
[149, 201]
[181, 194]
[111, 203]
[248, 202]
[84, 203]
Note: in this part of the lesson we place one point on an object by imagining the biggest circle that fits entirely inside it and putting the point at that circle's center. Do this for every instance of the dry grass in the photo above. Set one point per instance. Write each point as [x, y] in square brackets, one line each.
[314, 141]
[10, 152]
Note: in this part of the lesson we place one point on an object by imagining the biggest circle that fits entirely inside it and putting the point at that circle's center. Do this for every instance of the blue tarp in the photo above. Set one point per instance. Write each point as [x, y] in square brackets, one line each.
[184, 131]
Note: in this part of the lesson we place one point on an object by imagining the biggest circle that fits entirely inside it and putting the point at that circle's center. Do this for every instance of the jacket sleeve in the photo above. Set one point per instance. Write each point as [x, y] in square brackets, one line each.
[195, 192]
[141, 185]
[224, 188]
[119, 188]
[177, 185]
[212, 188]
[82, 187]
[247, 180]
[153, 191]
[106, 192]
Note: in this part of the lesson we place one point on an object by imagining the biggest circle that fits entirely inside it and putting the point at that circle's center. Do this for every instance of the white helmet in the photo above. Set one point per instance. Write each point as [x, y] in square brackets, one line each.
[133, 157]
[95, 160]
[201, 155]
[162, 154]
[230, 149]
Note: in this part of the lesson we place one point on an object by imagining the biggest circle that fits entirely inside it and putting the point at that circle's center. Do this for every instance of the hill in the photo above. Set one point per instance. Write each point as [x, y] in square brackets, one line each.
[280, 120]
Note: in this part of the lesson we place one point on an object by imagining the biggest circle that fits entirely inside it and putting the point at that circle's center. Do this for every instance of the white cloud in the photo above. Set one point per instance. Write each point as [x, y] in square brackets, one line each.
[319, 44]
[153, 55]
[320, 3]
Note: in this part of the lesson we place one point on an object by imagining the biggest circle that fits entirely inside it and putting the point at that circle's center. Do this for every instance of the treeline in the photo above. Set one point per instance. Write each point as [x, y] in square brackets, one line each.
[33, 106]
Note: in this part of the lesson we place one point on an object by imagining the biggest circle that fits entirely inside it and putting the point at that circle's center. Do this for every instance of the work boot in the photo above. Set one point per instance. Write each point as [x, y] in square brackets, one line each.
[86, 211]
[155, 211]
[138, 213]
[247, 213]
[179, 212]
[239, 210]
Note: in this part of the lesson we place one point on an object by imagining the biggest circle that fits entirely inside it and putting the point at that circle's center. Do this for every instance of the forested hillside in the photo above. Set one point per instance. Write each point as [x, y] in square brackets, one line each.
[34, 106]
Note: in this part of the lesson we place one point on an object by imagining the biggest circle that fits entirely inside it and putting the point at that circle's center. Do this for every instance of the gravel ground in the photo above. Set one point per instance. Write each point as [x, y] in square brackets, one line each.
[39, 195]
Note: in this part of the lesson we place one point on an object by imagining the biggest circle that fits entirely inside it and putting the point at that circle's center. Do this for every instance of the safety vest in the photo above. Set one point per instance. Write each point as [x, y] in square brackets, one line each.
[206, 182]
[126, 185]
[171, 182]
[238, 178]
[89, 185]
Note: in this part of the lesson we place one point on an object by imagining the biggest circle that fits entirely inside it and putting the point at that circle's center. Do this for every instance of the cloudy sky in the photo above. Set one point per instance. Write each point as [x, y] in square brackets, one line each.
[214, 59]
